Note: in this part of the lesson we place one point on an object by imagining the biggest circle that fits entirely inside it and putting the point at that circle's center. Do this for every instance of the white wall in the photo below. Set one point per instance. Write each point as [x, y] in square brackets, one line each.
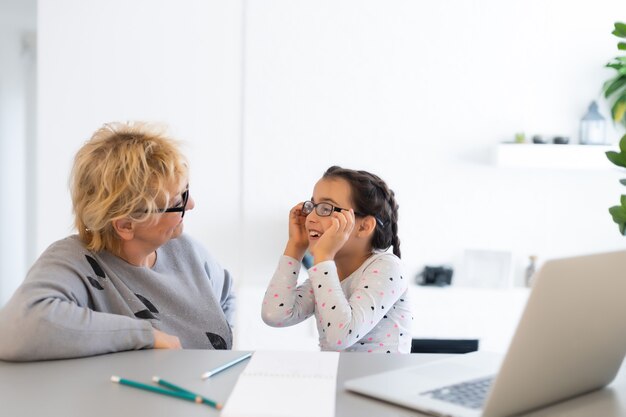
[269, 93]
[420, 93]
[17, 78]
[176, 62]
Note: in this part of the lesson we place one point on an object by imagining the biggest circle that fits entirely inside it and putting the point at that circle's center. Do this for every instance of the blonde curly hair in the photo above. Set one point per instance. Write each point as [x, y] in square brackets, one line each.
[124, 171]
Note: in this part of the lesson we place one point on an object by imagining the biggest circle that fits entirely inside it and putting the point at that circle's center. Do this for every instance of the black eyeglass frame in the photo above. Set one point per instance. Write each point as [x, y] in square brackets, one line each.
[306, 211]
[180, 208]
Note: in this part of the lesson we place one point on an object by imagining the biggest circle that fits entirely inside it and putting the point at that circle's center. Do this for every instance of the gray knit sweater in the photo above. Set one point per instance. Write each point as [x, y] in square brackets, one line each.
[76, 303]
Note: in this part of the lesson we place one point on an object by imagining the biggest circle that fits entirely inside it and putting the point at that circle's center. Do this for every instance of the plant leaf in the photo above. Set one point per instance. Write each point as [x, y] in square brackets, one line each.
[617, 158]
[619, 66]
[615, 85]
[620, 29]
[621, 46]
[607, 83]
[619, 109]
[618, 213]
[623, 182]
[622, 144]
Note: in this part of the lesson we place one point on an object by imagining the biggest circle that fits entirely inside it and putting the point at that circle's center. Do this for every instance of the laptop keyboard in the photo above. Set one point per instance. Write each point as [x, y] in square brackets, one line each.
[470, 394]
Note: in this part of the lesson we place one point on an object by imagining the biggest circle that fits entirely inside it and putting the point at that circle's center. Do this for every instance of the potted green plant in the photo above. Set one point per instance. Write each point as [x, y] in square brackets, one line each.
[619, 212]
[615, 92]
[615, 88]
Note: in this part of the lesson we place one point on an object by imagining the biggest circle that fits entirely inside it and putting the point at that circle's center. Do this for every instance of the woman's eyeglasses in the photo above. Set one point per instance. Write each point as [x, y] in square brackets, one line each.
[180, 207]
[326, 209]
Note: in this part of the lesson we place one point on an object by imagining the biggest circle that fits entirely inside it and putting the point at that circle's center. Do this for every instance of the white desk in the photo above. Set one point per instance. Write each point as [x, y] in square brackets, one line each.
[81, 387]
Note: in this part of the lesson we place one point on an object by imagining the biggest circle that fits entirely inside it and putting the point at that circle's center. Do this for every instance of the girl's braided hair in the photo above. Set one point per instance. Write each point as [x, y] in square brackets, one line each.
[371, 196]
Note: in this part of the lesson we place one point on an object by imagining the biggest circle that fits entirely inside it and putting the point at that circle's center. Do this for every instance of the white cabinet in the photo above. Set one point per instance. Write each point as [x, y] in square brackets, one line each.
[490, 315]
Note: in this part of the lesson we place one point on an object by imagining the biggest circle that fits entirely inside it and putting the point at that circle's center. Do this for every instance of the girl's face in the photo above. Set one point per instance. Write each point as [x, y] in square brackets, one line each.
[335, 191]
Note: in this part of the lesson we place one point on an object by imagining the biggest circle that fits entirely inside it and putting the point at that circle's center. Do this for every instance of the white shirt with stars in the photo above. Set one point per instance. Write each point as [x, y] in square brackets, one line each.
[368, 311]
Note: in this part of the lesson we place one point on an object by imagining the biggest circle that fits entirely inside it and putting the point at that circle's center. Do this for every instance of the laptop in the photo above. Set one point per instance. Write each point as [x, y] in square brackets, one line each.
[571, 339]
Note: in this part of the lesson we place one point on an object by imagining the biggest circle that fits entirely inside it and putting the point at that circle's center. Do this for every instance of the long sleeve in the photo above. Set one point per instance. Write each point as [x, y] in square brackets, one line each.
[344, 321]
[228, 299]
[222, 284]
[49, 318]
[285, 302]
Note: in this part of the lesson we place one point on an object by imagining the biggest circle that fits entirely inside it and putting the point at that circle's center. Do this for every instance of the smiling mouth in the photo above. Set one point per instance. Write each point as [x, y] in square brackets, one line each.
[314, 234]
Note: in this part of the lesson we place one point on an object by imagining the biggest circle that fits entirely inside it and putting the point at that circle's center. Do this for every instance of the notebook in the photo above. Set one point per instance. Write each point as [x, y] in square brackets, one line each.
[273, 384]
[571, 339]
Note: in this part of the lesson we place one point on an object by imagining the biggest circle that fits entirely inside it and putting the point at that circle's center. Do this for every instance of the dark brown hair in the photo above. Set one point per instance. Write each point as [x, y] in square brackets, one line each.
[372, 197]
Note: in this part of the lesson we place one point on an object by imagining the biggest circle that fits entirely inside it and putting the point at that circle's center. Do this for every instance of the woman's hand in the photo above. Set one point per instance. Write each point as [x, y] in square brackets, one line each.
[163, 340]
[334, 237]
[298, 239]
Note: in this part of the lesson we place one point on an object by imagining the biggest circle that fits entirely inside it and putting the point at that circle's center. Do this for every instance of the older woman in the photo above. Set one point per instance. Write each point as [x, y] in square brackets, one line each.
[130, 279]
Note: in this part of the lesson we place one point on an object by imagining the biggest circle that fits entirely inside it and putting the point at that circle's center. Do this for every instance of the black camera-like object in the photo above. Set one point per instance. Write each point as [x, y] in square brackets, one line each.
[439, 276]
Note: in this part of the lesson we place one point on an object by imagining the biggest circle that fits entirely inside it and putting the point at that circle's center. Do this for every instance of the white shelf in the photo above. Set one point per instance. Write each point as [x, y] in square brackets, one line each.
[553, 156]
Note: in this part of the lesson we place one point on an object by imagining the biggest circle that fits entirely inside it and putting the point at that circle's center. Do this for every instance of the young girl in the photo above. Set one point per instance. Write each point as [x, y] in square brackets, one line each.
[355, 289]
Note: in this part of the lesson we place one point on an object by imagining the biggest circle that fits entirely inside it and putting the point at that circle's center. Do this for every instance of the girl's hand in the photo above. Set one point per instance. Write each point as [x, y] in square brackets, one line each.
[334, 237]
[298, 239]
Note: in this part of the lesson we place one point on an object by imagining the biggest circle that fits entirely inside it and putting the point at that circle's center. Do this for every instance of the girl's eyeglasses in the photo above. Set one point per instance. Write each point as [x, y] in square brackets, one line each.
[326, 209]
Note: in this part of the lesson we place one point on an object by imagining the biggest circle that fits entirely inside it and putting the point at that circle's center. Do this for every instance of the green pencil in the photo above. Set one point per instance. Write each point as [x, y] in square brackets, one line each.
[178, 394]
[169, 385]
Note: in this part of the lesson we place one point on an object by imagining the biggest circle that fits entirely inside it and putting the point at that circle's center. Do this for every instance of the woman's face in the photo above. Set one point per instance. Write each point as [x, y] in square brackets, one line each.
[167, 225]
[335, 191]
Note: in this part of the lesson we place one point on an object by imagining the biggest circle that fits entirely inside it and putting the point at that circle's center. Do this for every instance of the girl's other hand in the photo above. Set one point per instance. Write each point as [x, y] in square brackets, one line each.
[334, 237]
[298, 238]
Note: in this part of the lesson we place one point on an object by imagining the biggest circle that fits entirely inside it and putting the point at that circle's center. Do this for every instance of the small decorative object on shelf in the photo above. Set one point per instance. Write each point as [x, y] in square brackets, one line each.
[520, 137]
[560, 140]
[592, 127]
[439, 276]
[539, 139]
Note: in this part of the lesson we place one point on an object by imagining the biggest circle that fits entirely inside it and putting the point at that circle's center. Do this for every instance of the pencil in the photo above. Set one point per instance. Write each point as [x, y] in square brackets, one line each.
[169, 385]
[225, 366]
[178, 394]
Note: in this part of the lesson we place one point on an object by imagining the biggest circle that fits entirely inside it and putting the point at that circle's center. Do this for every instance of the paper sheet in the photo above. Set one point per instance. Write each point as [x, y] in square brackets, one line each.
[285, 384]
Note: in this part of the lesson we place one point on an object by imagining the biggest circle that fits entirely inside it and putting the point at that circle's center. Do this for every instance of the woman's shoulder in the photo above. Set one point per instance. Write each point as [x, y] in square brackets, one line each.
[68, 248]
[61, 257]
